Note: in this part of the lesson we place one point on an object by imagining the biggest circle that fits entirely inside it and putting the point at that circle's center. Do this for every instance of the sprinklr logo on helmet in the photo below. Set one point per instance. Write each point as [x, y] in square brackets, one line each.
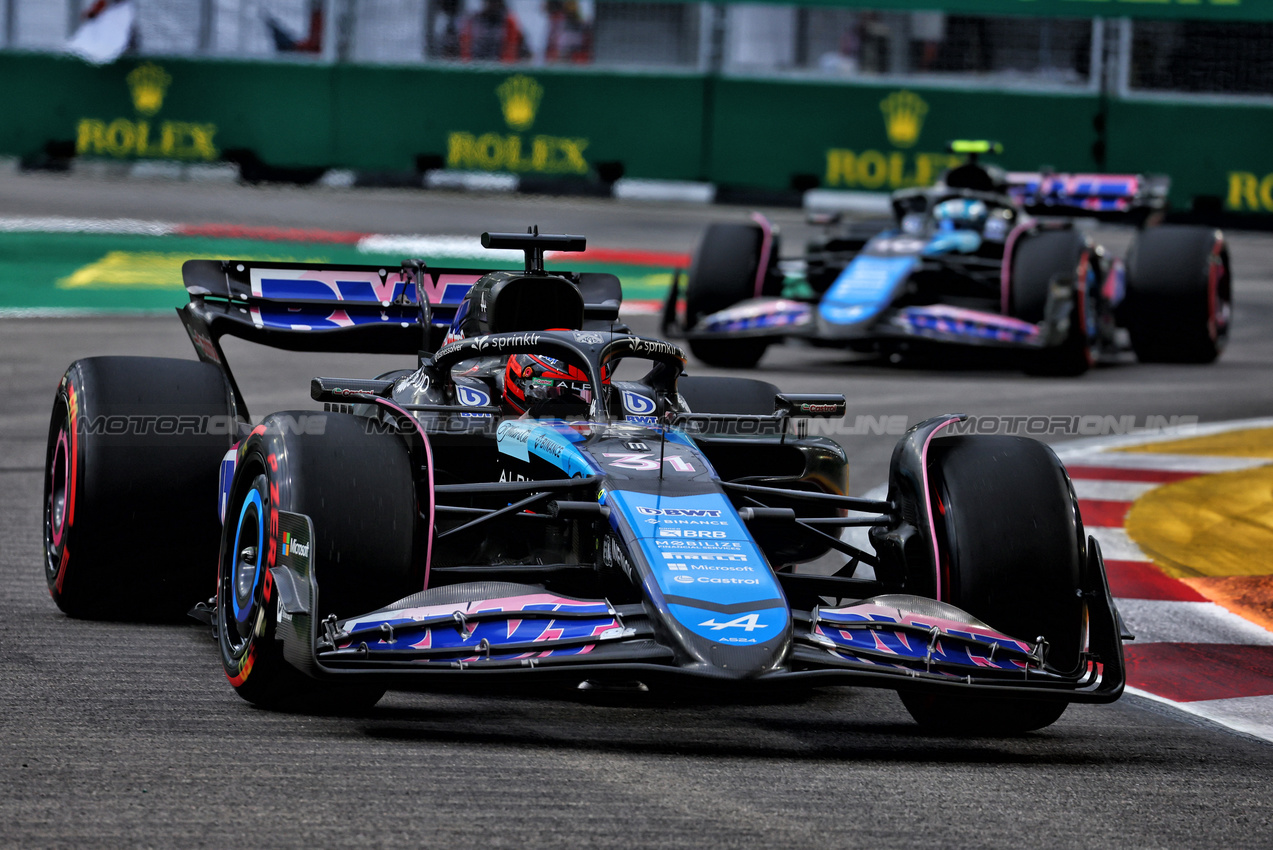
[904, 113]
[148, 84]
[519, 98]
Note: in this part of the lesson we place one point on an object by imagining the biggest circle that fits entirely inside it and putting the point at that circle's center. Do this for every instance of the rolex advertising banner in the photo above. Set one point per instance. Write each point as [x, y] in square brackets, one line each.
[375, 118]
[531, 123]
[882, 138]
[555, 124]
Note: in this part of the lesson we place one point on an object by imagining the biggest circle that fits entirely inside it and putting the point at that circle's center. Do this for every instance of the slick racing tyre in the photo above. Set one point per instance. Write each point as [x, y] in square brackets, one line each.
[1179, 294]
[1011, 547]
[1037, 260]
[356, 487]
[130, 486]
[722, 273]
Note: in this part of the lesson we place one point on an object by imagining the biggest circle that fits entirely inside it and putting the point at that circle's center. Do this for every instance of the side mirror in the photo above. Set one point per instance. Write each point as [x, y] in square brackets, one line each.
[811, 405]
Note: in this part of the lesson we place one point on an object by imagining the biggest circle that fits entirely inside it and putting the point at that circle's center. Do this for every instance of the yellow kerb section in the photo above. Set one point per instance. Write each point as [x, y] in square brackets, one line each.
[1254, 442]
[1212, 525]
[1215, 532]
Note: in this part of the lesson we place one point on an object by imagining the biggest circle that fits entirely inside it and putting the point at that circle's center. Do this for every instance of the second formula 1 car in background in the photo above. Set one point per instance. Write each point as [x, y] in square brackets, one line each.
[984, 258]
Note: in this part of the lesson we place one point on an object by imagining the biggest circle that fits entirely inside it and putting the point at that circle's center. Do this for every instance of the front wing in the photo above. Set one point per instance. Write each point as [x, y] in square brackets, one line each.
[491, 630]
[942, 323]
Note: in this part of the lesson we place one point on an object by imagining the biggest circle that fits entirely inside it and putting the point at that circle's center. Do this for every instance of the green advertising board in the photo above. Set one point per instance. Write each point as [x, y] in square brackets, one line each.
[542, 123]
[1215, 153]
[557, 124]
[881, 138]
[763, 133]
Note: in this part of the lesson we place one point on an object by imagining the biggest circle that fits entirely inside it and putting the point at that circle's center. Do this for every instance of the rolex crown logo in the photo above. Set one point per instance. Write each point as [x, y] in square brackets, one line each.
[904, 113]
[519, 98]
[148, 84]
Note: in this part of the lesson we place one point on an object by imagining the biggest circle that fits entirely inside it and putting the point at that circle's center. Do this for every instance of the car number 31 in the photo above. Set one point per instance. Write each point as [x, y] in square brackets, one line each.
[647, 462]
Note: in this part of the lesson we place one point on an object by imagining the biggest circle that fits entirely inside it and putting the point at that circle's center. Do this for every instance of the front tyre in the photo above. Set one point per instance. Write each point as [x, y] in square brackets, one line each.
[355, 484]
[1011, 553]
[725, 270]
[1038, 260]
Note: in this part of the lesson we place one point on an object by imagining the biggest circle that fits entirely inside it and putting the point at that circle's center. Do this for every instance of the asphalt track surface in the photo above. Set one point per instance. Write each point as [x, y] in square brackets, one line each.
[118, 734]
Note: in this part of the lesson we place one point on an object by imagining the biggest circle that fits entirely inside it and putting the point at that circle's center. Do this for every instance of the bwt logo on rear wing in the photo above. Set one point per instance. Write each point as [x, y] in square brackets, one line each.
[309, 283]
[1076, 194]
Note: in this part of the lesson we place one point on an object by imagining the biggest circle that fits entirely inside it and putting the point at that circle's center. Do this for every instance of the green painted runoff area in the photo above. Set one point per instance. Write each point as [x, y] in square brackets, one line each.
[110, 272]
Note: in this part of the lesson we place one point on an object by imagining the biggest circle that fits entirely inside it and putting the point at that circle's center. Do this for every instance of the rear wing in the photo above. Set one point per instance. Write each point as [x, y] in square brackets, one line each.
[1112, 196]
[342, 308]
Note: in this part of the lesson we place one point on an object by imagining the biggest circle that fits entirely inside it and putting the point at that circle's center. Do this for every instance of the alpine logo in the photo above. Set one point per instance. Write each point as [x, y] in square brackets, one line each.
[676, 512]
[748, 622]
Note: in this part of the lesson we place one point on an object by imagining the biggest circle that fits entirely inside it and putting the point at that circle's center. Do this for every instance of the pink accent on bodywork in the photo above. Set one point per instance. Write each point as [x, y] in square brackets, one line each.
[887, 613]
[63, 449]
[1005, 274]
[928, 505]
[331, 279]
[969, 315]
[511, 604]
[1110, 286]
[436, 289]
[428, 463]
[766, 245]
[341, 319]
[1215, 267]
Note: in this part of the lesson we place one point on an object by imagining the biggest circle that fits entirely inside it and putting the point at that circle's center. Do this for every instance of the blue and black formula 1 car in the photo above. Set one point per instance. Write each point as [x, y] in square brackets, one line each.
[546, 497]
[981, 259]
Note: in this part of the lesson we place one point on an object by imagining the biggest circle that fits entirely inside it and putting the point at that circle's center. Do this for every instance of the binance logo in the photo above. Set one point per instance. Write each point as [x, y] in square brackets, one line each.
[148, 83]
[904, 113]
[519, 98]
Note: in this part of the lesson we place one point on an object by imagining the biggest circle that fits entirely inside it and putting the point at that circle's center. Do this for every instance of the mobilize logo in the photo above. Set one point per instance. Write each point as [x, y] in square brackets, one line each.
[698, 545]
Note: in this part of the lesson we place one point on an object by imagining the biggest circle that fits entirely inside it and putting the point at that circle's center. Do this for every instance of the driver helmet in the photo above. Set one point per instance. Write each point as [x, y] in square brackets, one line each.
[961, 213]
[532, 378]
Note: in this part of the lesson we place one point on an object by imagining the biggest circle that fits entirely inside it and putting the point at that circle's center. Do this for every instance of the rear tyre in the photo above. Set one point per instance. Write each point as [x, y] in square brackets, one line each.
[1011, 547]
[723, 273]
[357, 489]
[1179, 294]
[1037, 260]
[130, 486]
